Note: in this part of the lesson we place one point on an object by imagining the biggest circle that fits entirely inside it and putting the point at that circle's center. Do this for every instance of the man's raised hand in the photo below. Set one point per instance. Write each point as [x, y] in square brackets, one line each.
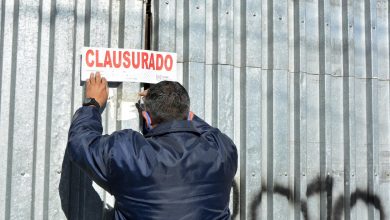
[97, 88]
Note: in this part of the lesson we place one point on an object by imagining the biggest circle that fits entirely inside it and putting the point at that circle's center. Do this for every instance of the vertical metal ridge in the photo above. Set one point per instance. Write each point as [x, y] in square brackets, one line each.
[243, 104]
[156, 24]
[270, 128]
[215, 54]
[1, 47]
[324, 202]
[110, 24]
[297, 114]
[105, 122]
[369, 111]
[1, 44]
[75, 58]
[143, 26]
[35, 138]
[12, 109]
[214, 95]
[121, 34]
[345, 54]
[186, 39]
[87, 21]
[270, 145]
[49, 109]
[81, 183]
[243, 148]
[119, 97]
[121, 41]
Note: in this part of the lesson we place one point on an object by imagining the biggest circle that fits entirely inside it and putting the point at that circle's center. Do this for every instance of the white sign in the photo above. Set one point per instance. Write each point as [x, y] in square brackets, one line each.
[120, 65]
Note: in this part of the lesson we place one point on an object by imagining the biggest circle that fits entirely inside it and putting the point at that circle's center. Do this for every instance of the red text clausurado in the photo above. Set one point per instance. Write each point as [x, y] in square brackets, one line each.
[129, 60]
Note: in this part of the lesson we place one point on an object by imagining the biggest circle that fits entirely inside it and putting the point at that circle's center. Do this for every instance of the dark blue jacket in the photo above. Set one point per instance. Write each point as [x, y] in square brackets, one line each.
[179, 170]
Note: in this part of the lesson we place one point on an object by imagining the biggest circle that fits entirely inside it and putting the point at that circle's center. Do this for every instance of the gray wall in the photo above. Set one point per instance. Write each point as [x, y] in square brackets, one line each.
[302, 87]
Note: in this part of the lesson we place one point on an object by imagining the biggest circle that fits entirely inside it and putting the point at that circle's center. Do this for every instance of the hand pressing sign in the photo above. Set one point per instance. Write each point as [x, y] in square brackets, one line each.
[97, 89]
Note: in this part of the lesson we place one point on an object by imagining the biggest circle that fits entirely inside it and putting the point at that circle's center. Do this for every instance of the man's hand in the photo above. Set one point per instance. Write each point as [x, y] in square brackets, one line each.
[143, 93]
[97, 88]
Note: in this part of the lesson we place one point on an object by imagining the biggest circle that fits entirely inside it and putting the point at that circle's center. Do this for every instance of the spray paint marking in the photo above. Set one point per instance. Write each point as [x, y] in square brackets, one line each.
[317, 186]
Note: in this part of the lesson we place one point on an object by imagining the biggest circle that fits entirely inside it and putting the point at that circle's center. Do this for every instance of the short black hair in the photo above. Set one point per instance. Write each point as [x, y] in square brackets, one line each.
[167, 101]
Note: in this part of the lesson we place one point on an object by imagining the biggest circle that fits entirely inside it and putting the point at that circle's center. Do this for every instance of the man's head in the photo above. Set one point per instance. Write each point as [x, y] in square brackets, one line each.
[167, 101]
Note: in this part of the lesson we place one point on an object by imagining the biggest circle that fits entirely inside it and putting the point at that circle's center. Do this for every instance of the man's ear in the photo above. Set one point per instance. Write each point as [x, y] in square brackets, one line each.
[147, 118]
[190, 116]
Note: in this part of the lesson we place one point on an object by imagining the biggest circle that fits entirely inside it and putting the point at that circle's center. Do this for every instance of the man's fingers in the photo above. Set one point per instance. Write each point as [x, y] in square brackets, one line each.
[104, 81]
[143, 93]
[98, 77]
[92, 78]
[88, 82]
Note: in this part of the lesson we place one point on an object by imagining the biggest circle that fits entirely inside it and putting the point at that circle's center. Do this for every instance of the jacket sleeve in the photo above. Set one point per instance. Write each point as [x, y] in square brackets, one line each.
[88, 148]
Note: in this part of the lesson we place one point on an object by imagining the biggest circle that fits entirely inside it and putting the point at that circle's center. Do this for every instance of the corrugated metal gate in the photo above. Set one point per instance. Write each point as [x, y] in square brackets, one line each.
[303, 88]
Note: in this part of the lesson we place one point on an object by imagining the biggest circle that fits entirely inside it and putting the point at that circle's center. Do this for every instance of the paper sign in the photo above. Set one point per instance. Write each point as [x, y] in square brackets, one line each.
[128, 65]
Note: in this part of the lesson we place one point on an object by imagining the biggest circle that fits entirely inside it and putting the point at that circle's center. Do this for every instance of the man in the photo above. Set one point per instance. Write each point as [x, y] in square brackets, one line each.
[181, 169]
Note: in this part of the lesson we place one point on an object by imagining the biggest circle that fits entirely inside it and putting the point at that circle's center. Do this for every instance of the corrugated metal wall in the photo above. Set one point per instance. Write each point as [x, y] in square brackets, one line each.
[303, 88]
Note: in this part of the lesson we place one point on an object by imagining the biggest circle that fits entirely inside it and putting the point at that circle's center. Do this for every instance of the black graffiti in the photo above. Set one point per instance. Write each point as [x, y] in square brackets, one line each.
[359, 195]
[317, 186]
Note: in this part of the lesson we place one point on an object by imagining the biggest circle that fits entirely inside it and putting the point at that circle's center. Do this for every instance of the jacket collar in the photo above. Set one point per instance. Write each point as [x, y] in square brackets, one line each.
[172, 127]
